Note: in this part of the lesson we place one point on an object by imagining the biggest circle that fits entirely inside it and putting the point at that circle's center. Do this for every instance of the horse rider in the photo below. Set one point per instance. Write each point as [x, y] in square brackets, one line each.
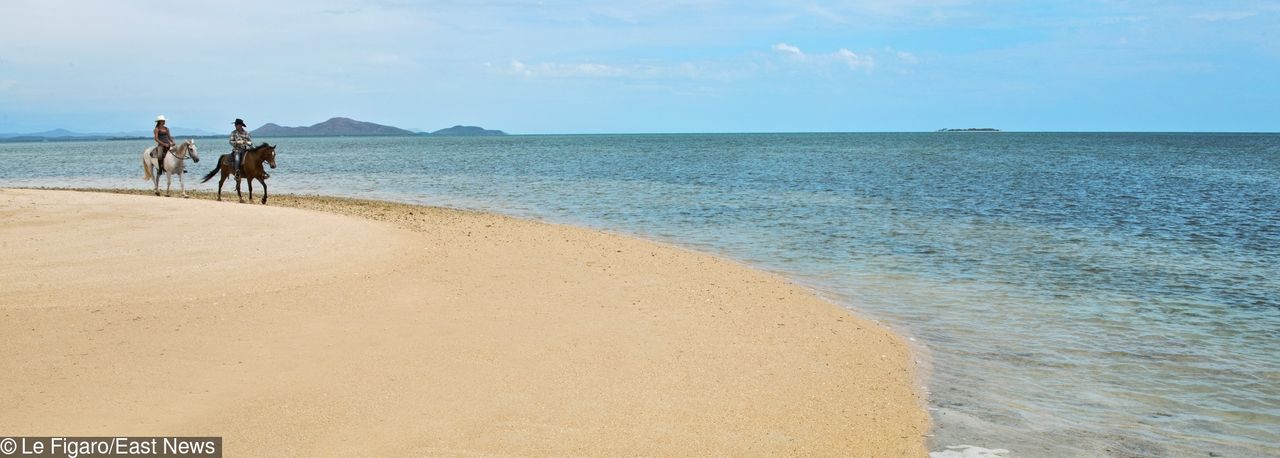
[163, 140]
[240, 143]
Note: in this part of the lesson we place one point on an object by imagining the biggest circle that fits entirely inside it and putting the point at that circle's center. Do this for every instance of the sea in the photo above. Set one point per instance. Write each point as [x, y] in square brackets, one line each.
[1068, 294]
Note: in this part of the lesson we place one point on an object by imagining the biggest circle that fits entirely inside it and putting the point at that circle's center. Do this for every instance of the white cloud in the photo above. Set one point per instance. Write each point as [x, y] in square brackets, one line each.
[789, 50]
[590, 70]
[784, 54]
[854, 61]
[844, 56]
[519, 68]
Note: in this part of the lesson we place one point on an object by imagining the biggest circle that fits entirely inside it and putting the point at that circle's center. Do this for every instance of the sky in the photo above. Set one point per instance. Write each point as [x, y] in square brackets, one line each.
[548, 67]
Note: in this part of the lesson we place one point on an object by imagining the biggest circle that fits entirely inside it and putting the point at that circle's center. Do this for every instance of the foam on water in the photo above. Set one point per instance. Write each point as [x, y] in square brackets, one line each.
[969, 451]
[1078, 294]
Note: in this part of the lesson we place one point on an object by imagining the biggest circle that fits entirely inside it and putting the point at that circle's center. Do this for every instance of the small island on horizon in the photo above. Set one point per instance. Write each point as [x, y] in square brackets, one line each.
[970, 129]
[466, 131]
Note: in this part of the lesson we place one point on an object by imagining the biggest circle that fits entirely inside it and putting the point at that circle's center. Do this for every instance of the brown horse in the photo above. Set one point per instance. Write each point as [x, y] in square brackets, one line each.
[251, 168]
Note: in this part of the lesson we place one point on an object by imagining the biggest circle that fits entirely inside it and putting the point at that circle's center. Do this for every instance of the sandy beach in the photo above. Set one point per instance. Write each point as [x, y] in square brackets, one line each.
[325, 326]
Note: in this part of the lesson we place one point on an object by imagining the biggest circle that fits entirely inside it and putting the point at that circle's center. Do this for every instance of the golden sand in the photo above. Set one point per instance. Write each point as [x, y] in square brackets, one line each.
[349, 327]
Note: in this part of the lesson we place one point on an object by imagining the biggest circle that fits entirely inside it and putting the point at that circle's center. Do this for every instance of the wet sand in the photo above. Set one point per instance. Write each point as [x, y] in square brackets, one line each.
[330, 326]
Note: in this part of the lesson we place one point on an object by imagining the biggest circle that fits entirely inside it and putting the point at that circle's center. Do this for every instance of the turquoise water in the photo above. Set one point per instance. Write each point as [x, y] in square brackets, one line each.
[1073, 294]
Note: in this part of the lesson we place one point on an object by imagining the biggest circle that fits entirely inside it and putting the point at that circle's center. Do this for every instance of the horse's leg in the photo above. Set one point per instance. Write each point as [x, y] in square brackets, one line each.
[222, 170]
[157, 182]
[168, 187]
[250, 182]
[264, 190]
[182, 183]
[238, 194]
[220, 181]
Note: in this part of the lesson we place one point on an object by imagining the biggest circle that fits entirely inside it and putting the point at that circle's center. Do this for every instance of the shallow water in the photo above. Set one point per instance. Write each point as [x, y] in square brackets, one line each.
[1078, 294]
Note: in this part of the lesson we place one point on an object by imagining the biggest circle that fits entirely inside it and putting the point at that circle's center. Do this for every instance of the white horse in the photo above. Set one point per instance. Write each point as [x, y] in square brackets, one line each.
[173, 164]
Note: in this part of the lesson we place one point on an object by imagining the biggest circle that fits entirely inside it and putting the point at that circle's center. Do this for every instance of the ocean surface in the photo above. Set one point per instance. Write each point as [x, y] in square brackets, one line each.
[1070, 294]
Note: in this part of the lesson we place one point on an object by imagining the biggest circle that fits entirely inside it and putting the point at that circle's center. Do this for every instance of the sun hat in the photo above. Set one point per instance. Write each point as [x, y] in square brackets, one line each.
[160, 118]
[239, 122]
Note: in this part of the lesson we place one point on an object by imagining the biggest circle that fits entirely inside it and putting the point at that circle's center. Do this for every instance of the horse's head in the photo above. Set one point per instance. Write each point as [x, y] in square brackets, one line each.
[191, 147]
[269, 153]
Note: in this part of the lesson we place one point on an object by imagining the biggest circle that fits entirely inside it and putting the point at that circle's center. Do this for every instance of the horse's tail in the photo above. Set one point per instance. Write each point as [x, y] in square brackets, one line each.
[146, 168]
[216, 168]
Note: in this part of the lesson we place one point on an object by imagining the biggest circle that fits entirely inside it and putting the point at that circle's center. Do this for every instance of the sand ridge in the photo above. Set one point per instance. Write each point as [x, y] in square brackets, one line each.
[428, 331]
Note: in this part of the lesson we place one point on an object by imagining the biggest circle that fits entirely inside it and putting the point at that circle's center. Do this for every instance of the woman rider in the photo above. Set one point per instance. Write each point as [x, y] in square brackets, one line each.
[163, 140]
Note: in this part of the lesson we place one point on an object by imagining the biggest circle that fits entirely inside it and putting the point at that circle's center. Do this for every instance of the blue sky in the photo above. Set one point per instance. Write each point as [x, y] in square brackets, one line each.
[652, 66]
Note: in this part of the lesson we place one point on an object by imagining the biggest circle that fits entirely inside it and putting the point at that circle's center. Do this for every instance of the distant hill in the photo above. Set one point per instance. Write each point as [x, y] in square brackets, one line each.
[467, 131]
[55, 133]
[334, 127]
[971, 129]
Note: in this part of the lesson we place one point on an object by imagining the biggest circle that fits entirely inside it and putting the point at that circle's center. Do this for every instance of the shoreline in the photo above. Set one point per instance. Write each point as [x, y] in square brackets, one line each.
[711, 358]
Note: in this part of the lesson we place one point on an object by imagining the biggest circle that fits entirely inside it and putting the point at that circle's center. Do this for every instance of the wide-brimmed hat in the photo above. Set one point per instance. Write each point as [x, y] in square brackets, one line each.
[160, 118]
[239, 122]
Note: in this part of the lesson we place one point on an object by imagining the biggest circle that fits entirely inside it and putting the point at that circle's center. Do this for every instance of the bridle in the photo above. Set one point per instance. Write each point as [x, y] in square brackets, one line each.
[180, 147]
[261, 156]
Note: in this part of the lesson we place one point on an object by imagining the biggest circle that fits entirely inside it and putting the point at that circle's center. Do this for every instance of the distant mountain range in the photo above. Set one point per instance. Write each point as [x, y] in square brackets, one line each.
[67, 135]
[334, 127]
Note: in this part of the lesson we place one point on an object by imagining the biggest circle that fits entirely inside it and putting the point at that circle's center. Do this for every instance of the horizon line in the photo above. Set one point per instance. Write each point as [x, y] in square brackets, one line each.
[89, 135]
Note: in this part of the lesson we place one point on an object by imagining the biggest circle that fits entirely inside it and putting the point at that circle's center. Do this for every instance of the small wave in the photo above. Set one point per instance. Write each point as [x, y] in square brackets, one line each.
[969, 451]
